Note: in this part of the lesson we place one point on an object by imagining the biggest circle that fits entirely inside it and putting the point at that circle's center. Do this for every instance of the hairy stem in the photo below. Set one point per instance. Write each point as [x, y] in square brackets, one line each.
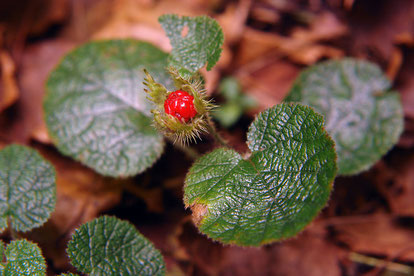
[13, 234]
[217, 137]
[188, 151]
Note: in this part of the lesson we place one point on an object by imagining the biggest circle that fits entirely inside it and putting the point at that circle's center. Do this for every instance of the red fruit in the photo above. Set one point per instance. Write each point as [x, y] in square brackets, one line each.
[180, 105]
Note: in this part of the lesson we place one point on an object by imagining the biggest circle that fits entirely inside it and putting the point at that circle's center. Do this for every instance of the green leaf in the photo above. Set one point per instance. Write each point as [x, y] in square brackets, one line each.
[68, 274]
[23, 258]
[230, 89]
[195, 41]
[363, 117]
[27, 188]
[274, 193]
[228, 113]
[96, 109]
[110, 246]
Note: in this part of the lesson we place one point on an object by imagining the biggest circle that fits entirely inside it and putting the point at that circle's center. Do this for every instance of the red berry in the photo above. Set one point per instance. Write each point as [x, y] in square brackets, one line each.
[180, 105]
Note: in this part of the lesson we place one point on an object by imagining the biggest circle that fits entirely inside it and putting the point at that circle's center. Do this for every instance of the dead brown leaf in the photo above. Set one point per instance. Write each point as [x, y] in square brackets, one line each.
[323, 26]
[378, 234]
[395, 63]
[270, 84]
[262, 63]
[233, 20]
[9, 91]
[375, 30]
[302, 46]
[152, 196]
[81, 196]
[37, 62]
[404, 83]
[396, 183]
[311, 253]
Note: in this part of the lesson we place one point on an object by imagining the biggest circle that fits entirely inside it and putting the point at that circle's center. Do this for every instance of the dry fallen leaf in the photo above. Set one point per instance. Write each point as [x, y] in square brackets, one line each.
[233, 20]
[9, 91]
[81, 196]
[374, 30]
[404, 83]
[302, 46]
[395, 63]
[395, 182]
[377, 234]
[266, 44]
[37, 62]
[270, 84]
[311, 253]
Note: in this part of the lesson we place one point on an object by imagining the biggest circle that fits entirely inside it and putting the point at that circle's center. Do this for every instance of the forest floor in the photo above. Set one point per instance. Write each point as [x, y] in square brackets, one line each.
[368, 226]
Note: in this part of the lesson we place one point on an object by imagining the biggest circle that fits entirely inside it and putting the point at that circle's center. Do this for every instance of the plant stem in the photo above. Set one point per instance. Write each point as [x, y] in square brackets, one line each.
[400, 268]
[188, 151]
[217, 137]
[13, 234]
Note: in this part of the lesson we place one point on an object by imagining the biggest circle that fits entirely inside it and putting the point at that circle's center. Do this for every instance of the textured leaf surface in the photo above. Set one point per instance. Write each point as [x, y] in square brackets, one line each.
[273, 194]
[195, 41]
[27, 188]
[110, 246]
[362, 116]
[23, 258]
[96, 109]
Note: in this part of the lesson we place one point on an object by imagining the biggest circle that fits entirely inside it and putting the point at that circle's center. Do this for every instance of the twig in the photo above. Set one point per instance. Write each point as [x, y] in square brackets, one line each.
[390, 261]
[379, 264]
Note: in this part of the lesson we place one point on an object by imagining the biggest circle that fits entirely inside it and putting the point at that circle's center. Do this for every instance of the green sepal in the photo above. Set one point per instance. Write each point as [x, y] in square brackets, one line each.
[194, 86]
[157, 93]
[179, 130]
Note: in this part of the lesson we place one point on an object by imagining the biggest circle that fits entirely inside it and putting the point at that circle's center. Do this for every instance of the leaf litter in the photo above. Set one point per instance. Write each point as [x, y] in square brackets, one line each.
[267, 43]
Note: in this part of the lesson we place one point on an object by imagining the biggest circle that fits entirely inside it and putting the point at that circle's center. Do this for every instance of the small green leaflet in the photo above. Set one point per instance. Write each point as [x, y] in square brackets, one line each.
[274, 193]
[201, 43]
[110, 246]
[96, 108]
[27, 188]
[229, 112]
[22, 258]
[363, 117]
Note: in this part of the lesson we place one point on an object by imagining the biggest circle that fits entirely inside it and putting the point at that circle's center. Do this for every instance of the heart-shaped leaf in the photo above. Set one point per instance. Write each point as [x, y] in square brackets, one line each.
[23, 258]
[275, 192]
[195, 41]
[27, 188]
[96, 108]
[363, 117]
[110, 246]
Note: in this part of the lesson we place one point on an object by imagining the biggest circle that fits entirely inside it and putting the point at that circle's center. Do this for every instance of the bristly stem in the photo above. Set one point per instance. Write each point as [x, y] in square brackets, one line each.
[217, 137]
[188, 151]
[13, 234]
